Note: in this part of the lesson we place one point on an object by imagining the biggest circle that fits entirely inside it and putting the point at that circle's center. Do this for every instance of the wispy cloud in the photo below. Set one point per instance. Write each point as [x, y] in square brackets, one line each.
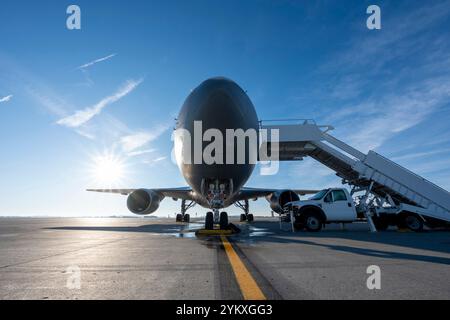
[140, 152]
[80, 117]
[323, 177]
[401, 37]
[415, 155]
[6, 99]
[152, 162]
[53, 103]
[131, 143]
[388, 97]
[85, 134]
[368, 128]
[89, 64]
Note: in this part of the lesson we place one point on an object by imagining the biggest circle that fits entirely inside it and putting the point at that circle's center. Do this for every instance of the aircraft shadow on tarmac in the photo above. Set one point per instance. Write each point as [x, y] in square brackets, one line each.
[269, 232]
[148, 228]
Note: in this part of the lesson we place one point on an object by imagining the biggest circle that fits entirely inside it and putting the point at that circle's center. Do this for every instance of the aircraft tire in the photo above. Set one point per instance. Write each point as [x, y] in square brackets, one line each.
[223, 221]
[209, 221]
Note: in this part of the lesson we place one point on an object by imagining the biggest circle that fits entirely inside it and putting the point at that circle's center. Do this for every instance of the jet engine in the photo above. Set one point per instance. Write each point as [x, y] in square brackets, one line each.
[278, 200]
[144, 201]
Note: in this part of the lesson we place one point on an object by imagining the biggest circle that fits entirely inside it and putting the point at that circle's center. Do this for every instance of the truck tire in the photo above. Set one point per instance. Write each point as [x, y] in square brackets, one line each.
[413, 222]
[312, 221]
[298, 225]
[380, 223]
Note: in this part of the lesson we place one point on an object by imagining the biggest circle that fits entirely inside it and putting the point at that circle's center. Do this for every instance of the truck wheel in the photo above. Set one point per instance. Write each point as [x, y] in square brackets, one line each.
[299, 225]
[380, 223]
[312, 221]
[413, 222]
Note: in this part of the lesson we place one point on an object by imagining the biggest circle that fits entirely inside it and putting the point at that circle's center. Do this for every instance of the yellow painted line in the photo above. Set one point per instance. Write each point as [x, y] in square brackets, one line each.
[249, 288]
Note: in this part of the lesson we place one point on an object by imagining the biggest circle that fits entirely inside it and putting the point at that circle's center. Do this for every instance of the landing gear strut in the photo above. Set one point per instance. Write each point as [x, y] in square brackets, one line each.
[183, 216]
[244, 206]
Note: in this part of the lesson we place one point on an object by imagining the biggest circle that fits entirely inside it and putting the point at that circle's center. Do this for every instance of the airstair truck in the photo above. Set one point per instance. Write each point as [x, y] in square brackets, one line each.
[392, 193]
[337, 205]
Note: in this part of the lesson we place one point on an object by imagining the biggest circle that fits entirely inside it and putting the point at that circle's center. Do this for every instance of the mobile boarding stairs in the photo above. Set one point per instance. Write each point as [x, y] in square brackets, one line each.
[385, 183]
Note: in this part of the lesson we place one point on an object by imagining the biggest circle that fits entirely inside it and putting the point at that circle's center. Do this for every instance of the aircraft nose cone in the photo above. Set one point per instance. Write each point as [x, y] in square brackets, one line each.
[219, 103]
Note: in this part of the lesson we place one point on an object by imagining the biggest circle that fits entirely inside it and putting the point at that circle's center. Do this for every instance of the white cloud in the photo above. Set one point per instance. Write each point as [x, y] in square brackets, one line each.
[403, 36]
[392, 114]
[85, 134]
[6, 99]
[132, 142]
[140, 152]
[322, 177]
[388, 97]
[152, 162]
[51, 101]
[135, 141]
[87, 65]
[423, 154]
[80, 117]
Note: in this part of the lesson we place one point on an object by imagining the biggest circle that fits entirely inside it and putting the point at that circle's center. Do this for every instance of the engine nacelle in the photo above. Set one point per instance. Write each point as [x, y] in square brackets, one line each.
[144, 201]
[277, 200]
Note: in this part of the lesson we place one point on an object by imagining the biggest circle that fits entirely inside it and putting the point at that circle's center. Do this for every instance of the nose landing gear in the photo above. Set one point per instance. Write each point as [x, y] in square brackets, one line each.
[216, 218]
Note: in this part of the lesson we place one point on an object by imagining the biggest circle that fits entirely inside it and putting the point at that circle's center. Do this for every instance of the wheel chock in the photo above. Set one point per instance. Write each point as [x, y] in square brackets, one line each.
[232, 229]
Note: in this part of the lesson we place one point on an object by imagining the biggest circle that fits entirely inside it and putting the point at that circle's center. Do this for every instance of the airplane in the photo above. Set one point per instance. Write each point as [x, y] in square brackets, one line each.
[219, 103]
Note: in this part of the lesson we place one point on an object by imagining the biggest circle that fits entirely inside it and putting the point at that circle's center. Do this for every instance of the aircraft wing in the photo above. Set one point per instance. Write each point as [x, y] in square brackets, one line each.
[254, 193]
[178, 193]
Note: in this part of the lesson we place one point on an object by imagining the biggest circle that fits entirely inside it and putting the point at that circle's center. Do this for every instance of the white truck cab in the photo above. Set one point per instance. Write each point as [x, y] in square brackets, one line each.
[326, 206]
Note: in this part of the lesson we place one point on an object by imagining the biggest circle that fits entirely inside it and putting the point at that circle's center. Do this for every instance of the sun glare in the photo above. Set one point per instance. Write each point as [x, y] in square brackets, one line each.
[107, 170]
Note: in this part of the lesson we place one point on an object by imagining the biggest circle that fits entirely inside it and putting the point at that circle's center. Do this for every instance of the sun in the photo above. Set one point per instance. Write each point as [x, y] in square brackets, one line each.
[107, 169]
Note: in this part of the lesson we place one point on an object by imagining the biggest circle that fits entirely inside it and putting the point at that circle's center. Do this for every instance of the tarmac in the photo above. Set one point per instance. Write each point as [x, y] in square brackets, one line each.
[156, 258]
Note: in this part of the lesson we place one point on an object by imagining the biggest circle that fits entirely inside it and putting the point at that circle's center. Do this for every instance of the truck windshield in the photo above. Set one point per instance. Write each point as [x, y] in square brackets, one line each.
[319, 195]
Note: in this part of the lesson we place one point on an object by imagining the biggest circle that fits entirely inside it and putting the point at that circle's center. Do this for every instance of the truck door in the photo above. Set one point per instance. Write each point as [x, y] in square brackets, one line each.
[338, 207]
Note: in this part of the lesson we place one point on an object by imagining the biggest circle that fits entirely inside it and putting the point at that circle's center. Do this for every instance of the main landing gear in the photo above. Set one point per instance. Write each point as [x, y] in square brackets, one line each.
[183, 216]
[216, 218]
[244, 206]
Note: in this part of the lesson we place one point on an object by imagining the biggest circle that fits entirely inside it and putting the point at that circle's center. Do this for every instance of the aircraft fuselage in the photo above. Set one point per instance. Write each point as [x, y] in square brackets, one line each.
[217, 103]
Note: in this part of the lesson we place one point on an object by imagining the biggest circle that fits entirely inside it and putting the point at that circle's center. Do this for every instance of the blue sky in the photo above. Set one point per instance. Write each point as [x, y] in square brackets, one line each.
[387, 90]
